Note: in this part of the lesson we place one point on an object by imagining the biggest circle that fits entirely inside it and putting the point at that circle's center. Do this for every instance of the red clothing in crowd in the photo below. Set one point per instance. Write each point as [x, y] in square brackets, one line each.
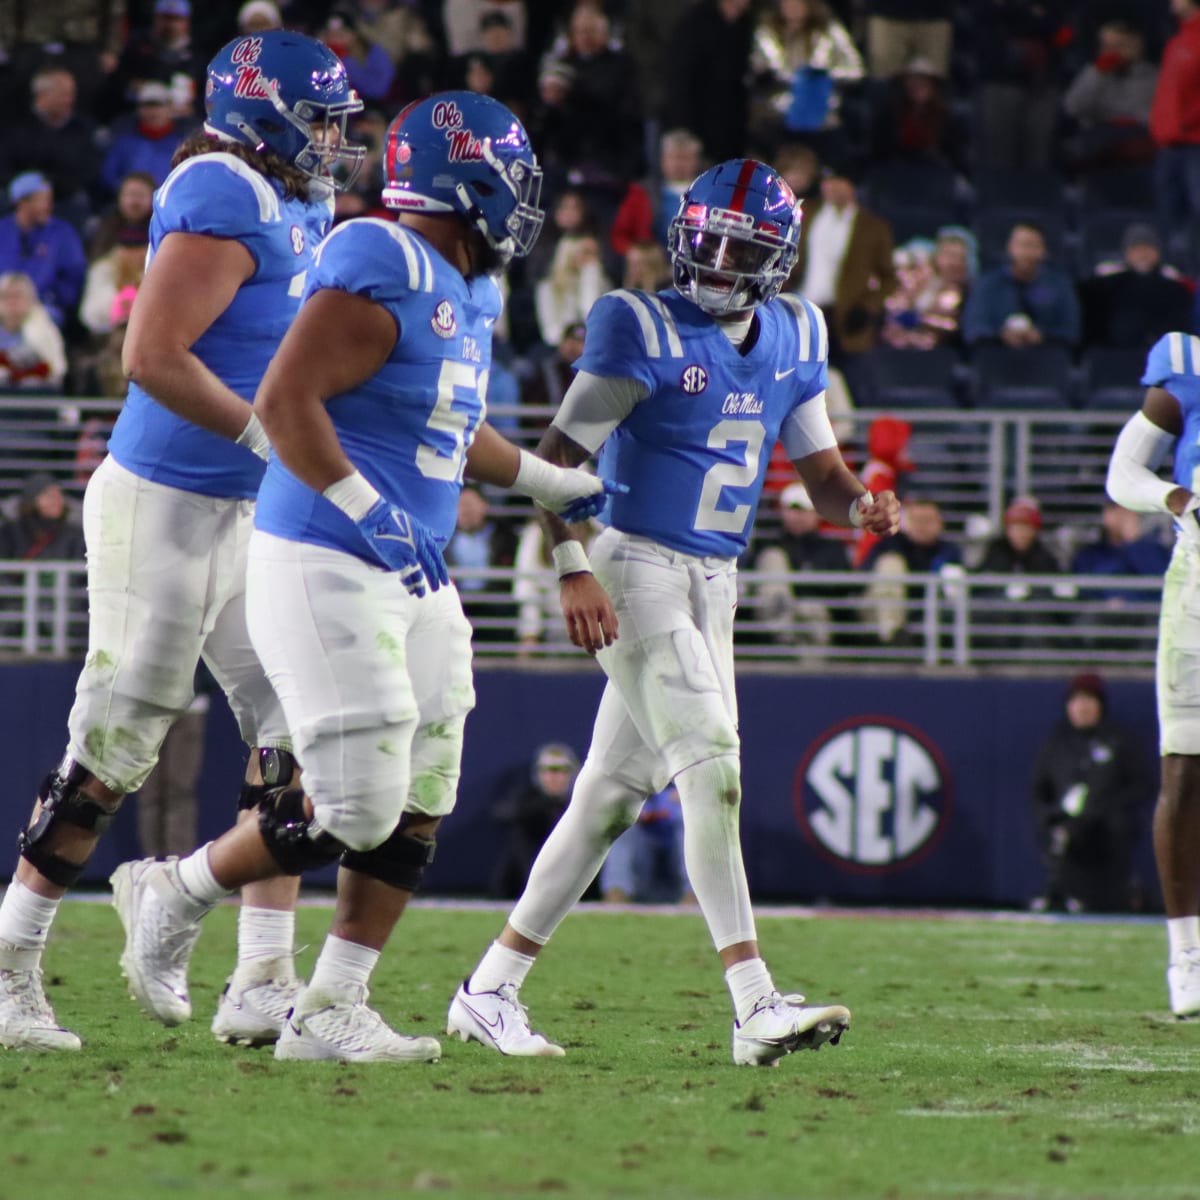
[1175, 114]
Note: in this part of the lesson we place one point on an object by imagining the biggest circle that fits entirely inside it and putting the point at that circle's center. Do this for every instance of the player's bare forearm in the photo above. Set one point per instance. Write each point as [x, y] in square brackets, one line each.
[492, 458]
[834, 488]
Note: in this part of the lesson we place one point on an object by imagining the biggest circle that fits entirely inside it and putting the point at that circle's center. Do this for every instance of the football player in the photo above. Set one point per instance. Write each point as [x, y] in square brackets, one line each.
[1169, 420]
[168, 514]
[347, 594]
[687, 392]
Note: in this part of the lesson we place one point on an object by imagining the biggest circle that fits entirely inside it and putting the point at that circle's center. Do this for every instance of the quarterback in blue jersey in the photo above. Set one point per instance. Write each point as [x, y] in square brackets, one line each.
[1169, 421]
[687, 393]
[347, 592]
[168, 518]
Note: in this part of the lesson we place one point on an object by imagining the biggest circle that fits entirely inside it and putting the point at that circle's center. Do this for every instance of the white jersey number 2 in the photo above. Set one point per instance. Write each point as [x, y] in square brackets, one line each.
[732, 475]
[445, 418]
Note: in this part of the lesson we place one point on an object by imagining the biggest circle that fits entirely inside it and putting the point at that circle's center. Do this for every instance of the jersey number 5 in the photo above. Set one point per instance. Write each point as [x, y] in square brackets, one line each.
[454, 422]
[730, 475]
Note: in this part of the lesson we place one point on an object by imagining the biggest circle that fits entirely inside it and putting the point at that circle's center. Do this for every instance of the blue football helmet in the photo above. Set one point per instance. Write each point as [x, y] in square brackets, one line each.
[288, 93]
[735, 238]
[465, 153]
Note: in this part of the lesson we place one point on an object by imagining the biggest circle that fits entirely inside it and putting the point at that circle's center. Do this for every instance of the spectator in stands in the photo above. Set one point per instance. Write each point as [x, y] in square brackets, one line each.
[462, 21]
[845, 265]
[481, 541]
[802, 57]
[799, 166]
[920, 547]
[575, 282]
[646, 267]
[649, 26]
[510, 69]
[1016, 61]
[706, 74]
[32, 355]
[257, 16]
[163, 53]
[1018, 551]
[645, 864]
[800, 612]
[539, 606]
[530, 811]
[913, 123]
[554, 372]
[900, 30]
[647, 210]
[1176, 130]
[1110, 99]
[904, 325]
[1132, 303]
[885, 471]
[1120, 549]
[1091, 783]
[56, 141]
[369, 130]
[146, 142]
[589, 116]
[113, 280]
[44, 526]
[403, 31]
[368, 66]
[40, 245]
[133, 205]
[1026, 302]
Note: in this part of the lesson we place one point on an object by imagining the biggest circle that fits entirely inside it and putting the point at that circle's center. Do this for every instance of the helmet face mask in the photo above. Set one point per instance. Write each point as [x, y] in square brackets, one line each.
[464, 153]
[290, 94]
[735, 238]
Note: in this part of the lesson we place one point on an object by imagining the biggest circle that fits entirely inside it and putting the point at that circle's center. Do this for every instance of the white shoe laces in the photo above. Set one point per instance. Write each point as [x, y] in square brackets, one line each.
[28, 996]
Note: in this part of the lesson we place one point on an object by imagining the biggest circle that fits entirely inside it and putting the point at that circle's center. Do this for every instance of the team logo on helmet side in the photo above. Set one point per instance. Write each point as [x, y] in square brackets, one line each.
[249, 84]
[444, 322]
[873, 794]
[464, 145]
[694, 379]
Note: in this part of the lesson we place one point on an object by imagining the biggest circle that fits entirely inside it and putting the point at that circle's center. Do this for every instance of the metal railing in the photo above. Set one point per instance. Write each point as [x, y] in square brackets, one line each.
[943, 622]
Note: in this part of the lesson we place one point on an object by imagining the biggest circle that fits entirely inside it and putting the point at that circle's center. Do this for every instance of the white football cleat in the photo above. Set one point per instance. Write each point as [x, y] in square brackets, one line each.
[336, 1023]
[1183, 984]
[780, 1025]
[27, 1022]
[255, 1004]
[158, 941]
[497, 1019]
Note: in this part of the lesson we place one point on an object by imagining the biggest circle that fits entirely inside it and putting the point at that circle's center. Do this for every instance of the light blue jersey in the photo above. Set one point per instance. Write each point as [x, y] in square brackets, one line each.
[407, 429]
[1174, 366]
[220, 196]
[694, 452]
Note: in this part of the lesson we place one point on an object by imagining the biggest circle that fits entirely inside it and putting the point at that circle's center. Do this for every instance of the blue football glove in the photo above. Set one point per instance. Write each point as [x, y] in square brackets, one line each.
[406, 546]
[587, 507]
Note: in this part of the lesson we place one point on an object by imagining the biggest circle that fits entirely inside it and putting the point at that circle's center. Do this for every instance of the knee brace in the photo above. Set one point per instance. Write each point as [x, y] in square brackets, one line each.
[63, 802]
[400, 862]
[277, 767]
[295, 841]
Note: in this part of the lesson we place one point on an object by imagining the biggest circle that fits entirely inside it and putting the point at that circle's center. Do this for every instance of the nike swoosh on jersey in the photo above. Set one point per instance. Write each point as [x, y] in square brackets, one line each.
[783, 374]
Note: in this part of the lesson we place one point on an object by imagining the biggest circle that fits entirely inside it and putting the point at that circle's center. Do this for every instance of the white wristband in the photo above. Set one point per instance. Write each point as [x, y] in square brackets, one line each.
[856, 514]
[570, 558]
[353, 495]
[254, 437]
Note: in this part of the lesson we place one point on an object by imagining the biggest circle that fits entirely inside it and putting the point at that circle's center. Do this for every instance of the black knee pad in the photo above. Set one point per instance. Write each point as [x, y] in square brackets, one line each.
[400, 862]
[277, 767]
[62, 803]
[295, 841]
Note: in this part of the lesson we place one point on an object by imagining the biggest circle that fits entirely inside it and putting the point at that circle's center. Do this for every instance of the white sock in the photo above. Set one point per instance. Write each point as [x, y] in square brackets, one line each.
[341, 963]
[748, 982]
[710, 796]
[25, 917]
[498, 966]
[265, 933]
[197, 879]
[1183, 934]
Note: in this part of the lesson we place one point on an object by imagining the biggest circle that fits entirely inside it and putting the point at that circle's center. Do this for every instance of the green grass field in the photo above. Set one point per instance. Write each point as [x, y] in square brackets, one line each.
[988, 1058]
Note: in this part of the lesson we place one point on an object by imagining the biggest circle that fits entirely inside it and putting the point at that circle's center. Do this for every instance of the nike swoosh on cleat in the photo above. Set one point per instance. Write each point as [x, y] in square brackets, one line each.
[497, 1025]
[783, 374]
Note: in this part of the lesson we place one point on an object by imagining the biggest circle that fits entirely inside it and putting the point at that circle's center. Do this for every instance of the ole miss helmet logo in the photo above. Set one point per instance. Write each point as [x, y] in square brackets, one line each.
[444, 322]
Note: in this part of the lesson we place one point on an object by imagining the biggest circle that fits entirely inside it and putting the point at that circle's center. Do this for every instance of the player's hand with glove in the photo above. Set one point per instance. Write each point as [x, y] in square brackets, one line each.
[571, 493]
[396, 536]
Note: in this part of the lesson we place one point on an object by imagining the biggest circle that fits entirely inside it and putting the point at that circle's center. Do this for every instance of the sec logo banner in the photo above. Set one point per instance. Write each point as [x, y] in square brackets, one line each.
[873, 793]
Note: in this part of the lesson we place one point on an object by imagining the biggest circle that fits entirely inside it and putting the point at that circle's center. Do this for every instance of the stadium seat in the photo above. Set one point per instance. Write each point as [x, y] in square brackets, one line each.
[914, 378]
[1029, 377]
[1102, 231]
[1019, 189]
[1111, 378]
[1118, 187]
[915, 220]
[901, 185]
